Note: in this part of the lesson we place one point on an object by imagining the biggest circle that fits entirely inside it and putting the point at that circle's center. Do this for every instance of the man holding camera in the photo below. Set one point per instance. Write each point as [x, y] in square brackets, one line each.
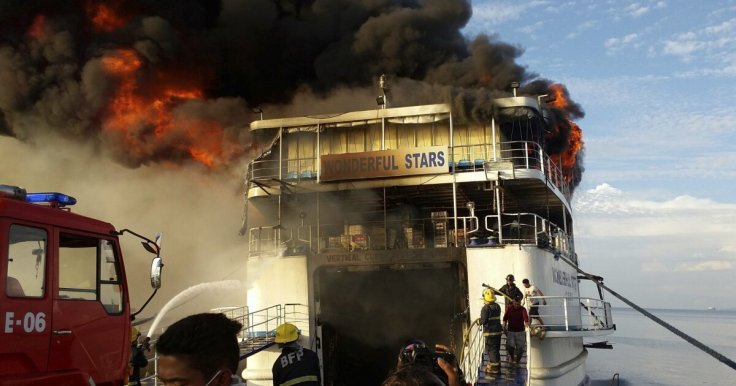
[419, 365]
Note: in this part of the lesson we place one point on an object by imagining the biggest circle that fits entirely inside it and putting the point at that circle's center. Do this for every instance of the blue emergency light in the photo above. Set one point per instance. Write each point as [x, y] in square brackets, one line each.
[53, 198]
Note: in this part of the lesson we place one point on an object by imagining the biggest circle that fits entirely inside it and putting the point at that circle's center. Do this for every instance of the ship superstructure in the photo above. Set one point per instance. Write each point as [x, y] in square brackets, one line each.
[384, 224]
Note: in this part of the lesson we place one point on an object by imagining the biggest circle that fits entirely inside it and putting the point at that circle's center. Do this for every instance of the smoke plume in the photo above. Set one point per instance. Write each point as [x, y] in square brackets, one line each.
[166, 89]
[175, 81]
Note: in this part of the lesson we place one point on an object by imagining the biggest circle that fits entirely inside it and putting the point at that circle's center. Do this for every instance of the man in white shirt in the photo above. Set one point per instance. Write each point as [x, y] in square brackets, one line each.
[532, 304]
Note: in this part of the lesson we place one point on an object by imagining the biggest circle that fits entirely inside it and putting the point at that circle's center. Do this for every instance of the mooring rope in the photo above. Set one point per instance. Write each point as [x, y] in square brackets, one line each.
[599, 281]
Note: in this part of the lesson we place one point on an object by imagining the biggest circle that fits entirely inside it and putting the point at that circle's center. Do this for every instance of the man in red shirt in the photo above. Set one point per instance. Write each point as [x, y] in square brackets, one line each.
[515, 321]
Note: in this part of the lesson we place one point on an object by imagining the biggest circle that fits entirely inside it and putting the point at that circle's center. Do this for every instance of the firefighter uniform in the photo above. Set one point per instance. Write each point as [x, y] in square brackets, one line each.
[296, 365]
[490, 319]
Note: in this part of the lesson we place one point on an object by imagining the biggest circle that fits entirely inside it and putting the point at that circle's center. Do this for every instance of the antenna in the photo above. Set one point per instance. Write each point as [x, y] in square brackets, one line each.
[382, 99]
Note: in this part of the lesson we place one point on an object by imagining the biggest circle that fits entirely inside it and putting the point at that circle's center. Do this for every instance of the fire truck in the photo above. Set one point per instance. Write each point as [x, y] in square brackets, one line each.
[65, 316]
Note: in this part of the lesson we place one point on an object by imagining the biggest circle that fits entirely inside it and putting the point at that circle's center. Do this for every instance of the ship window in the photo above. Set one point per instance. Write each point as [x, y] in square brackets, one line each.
[356, 140]
[338, 140]
[470, 142]
[26, 273]
[441, 134]
[300, 153]
[424, 135]
[373, 137]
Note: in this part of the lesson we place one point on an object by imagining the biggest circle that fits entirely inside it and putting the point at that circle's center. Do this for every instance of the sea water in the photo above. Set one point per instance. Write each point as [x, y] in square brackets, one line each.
[645, 353]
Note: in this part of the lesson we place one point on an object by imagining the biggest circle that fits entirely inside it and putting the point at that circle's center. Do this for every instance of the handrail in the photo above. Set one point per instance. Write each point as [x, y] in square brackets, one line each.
[516, 228]
[471, 352]
[270, 317]
[568, 313]
[522, 154]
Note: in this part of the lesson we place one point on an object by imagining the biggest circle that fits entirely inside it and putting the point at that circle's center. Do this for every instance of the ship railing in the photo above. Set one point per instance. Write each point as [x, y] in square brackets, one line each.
[516, 228]
[524, 228]
[265, 240]
[239, 314]
[471, 353]
[530, 155]
[565, 313]
[288, 170]
[260, 324]
[467, 158]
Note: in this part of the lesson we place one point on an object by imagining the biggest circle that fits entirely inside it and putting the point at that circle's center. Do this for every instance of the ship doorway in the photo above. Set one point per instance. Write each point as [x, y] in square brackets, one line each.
[367, 315]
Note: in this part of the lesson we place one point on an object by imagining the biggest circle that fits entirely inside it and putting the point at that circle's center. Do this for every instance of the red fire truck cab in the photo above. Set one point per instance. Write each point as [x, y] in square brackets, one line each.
[65, 316]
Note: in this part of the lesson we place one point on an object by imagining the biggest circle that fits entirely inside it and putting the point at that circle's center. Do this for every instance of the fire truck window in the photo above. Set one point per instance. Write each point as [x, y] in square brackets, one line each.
[78, 267]
[111, 294]
[26, 262]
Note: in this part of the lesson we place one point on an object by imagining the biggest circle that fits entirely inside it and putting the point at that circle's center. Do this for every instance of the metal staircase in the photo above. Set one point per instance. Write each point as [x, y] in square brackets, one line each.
[259, 327]
[473, 361]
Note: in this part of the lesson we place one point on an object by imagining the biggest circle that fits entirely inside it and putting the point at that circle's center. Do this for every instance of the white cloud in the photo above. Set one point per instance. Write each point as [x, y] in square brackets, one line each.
[684, 47]
[532, 28]
[654, 266]
[678, 234]
[637, 10]
[708, 265]
[709, 44]
[496, 12]
[606, 199]
[726, 27]
[614, 45]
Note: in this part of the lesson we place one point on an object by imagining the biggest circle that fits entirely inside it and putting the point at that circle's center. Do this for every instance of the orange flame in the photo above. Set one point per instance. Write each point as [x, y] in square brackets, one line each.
[104, 16]
[37, 30]
[145, 119]
[568, 158]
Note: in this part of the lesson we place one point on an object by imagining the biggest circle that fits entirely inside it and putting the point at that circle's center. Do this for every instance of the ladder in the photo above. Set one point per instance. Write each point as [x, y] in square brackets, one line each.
[259, 327]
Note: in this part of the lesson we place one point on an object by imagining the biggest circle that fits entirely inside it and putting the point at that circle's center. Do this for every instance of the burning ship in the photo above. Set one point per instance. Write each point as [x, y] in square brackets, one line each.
[366, 228]
[371, 228]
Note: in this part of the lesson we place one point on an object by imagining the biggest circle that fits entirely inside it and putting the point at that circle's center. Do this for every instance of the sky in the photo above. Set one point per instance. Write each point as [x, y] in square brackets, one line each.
[656, 210]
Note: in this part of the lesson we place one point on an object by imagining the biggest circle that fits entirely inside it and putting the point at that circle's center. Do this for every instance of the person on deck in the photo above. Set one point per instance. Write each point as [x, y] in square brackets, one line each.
[530, 292]
[138, 358]
[510, 290]
[515, 323]
[296, 365]
[490, 319]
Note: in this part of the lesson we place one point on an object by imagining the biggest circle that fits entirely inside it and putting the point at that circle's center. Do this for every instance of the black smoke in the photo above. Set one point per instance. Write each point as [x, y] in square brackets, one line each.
[244, 54]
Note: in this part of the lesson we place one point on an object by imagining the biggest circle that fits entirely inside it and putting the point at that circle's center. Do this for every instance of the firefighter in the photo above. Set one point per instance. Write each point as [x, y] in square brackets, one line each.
[490, 319]
[296, 365]
[137, 358]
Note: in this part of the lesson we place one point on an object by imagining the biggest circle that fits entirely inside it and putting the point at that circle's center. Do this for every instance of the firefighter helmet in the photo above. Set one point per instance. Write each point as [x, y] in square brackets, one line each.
[488, 296]
[134, 334]
[286, 333]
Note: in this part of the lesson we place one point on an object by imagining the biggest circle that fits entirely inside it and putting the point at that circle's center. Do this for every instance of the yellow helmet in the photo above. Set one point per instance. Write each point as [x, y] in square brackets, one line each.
[488, 296]
[134, 334]
[286, 333]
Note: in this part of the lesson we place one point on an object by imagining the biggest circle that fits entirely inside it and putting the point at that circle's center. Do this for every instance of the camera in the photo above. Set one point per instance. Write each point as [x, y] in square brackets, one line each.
[419, 354]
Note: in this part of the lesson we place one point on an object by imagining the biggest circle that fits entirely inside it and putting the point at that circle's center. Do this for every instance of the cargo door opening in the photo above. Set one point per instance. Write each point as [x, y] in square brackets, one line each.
[368, 314]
